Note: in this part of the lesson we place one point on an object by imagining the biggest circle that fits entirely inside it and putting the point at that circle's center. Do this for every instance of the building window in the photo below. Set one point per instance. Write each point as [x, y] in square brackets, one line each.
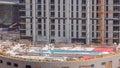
[30, 7]
[116, 15]
[83, 1]
[71, 27]
[83, 8]
[63, 27]
[59, 33]
[44, 26]
[52, 33]
[83, 22]
[44, 14]
[52, 14]
[83, 28]
[92, 66]
[58, 14]
[92, 27]
[1, 61]
[22, 26]
[72, 1]
[39, 14]
[63, 33]
[72, 34]
[44, 1]
[106, 2]
[92, 1]
[44, 33]
[22, 13]
[83, 15]
[83, 34]
[58, 27]
[52, 27]
[15, 65]
[116, 8]
[106, 35]
[64, 21]
[71, 14]
[116, 41]
[52, 7]
[28, 66]
[39, 7]
[77, 2]
[39, 20]
[58, 7]
[63, 1]
[23, 32]
[72, 8]
[9, 63]
[44, 7]
[116, 35]
[77, 34]
[77, 14]
[22, 1]
[92, 34]
[106, 8]
[31, 32]
[30, 13]
[58, 1]
[115, 28]
[40, 33]
[40, 27]
[116, 2]
[103, 63]
[116, 22]
[63, 14]
[58, 21]
[93, 15]
[52, 21]
[22, 7]
[77, 28]
[31, 1]
[52, 1]
[63, 8]
[39, 1]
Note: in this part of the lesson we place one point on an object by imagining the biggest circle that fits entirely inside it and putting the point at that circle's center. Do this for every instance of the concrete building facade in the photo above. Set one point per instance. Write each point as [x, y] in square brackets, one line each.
[68, 20]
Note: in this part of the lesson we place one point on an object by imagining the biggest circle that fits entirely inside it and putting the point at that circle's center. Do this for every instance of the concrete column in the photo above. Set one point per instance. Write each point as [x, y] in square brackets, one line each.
[88, 22]
[34, 19]
[47, 21]
[68, 31]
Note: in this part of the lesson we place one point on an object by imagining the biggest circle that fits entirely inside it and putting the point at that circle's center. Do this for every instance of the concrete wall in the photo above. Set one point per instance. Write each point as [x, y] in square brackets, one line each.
[96, 63]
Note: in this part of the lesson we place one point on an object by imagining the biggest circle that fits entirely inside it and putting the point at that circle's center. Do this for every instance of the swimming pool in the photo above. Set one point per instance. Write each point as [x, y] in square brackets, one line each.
[60, 51]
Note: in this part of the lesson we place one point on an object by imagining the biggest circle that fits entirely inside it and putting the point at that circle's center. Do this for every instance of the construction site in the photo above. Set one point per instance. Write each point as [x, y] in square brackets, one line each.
[85, 21]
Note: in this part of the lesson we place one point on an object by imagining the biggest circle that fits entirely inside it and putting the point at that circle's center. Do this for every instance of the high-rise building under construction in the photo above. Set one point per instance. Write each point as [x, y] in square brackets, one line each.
[84, 21]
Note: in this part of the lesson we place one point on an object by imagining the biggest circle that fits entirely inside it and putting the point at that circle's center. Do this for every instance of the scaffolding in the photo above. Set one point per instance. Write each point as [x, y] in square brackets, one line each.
[101, 18]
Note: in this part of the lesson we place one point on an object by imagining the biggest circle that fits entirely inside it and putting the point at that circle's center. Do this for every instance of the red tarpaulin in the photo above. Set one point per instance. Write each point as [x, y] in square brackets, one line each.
[103, 49]
[88, 57]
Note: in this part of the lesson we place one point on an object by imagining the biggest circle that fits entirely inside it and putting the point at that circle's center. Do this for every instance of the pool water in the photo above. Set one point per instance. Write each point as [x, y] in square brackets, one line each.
[60, 51]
